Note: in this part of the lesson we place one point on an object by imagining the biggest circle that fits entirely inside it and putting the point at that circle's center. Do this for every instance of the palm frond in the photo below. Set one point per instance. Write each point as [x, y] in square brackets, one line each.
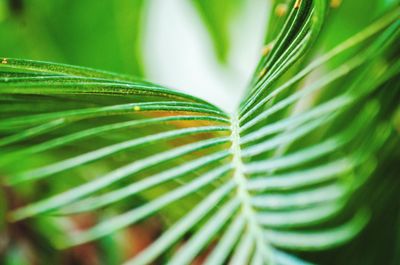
[277, 176]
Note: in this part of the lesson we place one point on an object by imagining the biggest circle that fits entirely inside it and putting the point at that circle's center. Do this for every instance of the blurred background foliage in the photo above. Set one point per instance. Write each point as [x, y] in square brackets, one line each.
[100, 34]
[111, 35]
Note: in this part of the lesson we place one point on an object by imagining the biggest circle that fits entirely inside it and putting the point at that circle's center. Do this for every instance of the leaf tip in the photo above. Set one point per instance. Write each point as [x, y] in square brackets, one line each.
[297, 4]
[262, 72]
[335, 3]
[281, 10]
[266, 49]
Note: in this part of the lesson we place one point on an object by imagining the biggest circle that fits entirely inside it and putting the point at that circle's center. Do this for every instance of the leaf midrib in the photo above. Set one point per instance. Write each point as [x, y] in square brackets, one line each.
[240, 179]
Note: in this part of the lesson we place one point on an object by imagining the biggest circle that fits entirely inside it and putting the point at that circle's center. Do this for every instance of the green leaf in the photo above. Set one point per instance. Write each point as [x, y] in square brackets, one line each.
[281, 174]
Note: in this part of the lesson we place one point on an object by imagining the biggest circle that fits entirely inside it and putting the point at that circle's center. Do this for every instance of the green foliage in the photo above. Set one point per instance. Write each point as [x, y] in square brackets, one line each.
[216, 16]
[109, 35]
[283, 180]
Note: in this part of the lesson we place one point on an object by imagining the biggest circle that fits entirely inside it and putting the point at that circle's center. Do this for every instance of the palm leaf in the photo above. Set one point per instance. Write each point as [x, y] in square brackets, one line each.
[279, 175]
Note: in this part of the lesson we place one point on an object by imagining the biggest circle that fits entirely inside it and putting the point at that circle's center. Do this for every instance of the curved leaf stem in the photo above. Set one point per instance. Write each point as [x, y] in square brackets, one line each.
[241, 181]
